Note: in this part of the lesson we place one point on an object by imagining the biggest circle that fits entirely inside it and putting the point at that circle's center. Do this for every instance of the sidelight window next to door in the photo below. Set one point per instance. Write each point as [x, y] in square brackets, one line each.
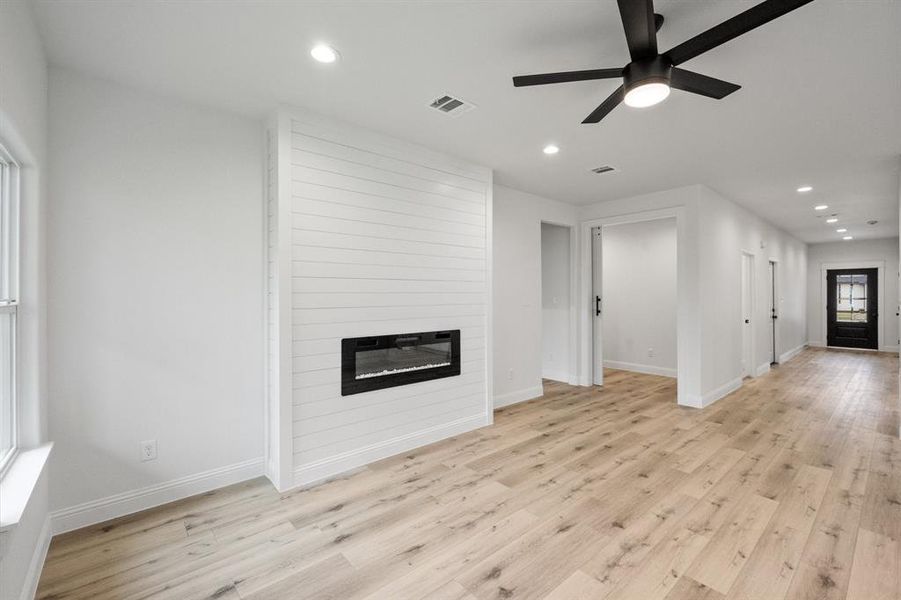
[851, 309]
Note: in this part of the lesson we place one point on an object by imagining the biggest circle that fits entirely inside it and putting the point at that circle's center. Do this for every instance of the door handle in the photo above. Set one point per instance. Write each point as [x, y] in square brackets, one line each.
[747, 321]
[597, 306]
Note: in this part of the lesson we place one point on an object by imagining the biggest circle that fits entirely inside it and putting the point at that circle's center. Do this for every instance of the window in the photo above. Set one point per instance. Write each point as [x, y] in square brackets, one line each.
[9, 304]
[851, 298]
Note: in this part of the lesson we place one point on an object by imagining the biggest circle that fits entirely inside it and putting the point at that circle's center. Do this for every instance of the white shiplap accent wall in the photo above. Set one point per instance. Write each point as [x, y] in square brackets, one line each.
[386, 237]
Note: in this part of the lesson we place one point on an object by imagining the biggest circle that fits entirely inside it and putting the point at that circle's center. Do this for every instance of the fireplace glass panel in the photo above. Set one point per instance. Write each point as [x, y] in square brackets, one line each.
[407, 355]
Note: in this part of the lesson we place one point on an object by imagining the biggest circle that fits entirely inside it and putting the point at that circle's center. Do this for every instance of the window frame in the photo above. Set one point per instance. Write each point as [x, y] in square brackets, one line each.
[10, 235]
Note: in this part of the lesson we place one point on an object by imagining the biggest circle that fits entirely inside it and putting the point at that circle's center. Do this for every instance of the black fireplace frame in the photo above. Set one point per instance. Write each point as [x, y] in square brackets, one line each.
[349, 346]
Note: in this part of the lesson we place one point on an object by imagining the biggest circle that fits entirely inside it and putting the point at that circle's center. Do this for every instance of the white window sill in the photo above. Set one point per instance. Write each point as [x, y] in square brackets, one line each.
[17, 486]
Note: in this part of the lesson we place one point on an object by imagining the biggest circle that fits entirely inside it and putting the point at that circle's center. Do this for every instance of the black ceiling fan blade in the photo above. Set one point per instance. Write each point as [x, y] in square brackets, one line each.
[609, 104]
[696, 83]
[546, 78]
[730, 29]
[640, 26]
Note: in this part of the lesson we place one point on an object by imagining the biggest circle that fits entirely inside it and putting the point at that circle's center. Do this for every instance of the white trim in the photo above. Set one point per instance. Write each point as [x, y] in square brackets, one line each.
[518, 396]
[33, 575]
[489, 308]
[126, 503]
[711, 397]
[319, 471]
[17, 487]
[561, 376]
[640, 368]
[787, 356]
[722, 391]
[879, 265]
[762, 369]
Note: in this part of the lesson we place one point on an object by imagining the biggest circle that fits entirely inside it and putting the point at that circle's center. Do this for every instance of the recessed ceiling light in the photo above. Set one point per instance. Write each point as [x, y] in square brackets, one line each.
[832, 220]
[551, 149]
[848, 237]
[648, 94]
[805, 188]
[324, 53]
[821, 207]
[841, 230]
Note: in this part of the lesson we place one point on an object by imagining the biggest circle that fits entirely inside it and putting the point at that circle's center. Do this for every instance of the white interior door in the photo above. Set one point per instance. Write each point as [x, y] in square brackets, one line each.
[596, 308]
[773, 312]
[747, 271]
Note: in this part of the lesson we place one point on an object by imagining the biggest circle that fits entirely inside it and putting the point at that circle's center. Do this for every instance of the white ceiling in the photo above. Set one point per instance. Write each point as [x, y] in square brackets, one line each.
[820, 102]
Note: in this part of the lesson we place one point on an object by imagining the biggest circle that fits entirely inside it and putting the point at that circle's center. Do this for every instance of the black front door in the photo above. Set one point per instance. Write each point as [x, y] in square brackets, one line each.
[851, 308]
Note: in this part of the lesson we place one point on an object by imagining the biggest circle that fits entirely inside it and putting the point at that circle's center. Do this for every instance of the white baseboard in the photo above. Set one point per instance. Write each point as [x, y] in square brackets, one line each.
[894, 349]
[518, 396]
[560, 376]
[787, 356]
[640, 368]
[712, 396]
[816, 344]
[126, 503]
[33, 576]
[722, 391]
[333, 466]
[762, 369]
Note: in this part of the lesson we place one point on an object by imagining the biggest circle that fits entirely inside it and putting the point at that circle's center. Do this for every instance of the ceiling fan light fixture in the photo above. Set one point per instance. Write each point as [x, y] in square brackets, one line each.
[647, 94]
[324, 53]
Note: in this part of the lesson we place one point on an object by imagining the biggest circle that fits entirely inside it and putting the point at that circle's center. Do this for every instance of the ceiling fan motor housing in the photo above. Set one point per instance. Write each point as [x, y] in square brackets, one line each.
[650, 70]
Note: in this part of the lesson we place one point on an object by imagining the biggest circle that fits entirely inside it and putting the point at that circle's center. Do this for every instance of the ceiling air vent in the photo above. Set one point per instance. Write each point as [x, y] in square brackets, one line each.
[604, 169]
[451, 105]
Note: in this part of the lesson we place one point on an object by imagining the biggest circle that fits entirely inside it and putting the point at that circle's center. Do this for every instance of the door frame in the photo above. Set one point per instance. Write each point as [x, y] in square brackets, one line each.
[684, 311]
[879, 265]
[751, 369]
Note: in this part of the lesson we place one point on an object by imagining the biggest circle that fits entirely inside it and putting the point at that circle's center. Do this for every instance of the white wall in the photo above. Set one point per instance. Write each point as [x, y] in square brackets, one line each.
[857, 251]
[517, 328]
[639, 296]
[23, 129]
[385, 237]
[726, 231]
[155, 304]
[555, 302]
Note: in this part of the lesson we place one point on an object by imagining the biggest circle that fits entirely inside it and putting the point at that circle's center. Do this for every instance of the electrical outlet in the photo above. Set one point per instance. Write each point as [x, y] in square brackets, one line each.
[650, 353]
[148, 450]
[510, 375]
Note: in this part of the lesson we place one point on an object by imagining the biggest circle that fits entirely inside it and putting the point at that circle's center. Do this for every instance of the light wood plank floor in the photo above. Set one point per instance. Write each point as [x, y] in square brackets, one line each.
[788, 488]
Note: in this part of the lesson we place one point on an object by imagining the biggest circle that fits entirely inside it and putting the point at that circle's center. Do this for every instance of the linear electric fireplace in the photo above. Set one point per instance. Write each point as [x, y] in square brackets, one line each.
[374, 363]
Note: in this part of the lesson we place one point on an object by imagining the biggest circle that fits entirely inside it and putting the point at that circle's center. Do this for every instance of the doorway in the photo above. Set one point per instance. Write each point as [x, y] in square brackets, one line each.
[747, 312]
[634, 298]
[852, 311]
[557, 351]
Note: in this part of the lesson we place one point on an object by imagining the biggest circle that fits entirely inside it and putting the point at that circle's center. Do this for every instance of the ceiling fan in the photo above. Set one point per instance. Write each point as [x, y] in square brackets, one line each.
[648, 78]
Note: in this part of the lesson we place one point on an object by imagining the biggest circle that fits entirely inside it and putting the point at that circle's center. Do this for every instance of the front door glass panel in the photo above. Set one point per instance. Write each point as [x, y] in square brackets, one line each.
[851, 298]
